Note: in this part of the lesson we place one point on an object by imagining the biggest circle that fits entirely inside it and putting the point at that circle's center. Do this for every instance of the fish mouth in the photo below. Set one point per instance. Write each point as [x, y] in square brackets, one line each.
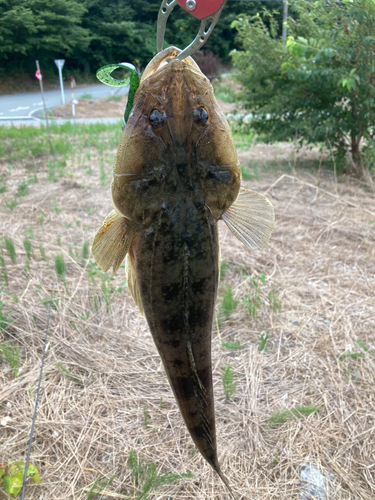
[165, 57]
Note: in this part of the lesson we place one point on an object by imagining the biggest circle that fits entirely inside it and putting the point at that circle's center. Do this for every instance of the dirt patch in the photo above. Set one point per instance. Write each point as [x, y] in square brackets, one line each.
[106, 107]
[316, 304]
[94, 108]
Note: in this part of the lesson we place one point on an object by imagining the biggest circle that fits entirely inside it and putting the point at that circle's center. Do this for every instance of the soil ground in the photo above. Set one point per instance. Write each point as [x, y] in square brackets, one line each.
[306, 398]
[107, 107]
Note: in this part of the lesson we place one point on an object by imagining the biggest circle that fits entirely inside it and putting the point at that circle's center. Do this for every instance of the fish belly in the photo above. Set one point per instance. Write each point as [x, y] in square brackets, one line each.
[177, 272]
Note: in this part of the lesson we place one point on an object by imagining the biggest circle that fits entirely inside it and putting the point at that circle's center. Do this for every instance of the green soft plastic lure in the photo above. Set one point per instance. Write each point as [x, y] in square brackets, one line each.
[104, 75]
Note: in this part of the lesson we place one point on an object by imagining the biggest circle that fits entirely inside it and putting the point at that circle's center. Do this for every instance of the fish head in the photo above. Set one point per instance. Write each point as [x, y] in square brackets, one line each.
[176, 123]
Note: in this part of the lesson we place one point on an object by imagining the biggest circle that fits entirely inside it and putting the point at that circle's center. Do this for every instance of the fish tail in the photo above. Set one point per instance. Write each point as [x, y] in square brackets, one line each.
[225, 481]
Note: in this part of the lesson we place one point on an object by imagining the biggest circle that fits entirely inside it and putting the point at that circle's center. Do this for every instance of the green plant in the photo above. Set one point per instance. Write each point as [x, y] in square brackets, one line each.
[319, 88]
[22, 188]
[4, 318]
[9, 246]
[86, 96]
[252, 300]
[86, 250]
[116, 98]
[228, 304]
[146, 417]
[12, 355]
[27, 247]
[229, 384]
[223, 268]
[262, 342]
[280, 417]
[366, 348]
[352, 355]
[11, 204]
[55, 207]
[3, 267]
[60, 268]
[146, 477]
[102, 174]
[3, 187]
[42, 252]
[275, 301]
[232, 345]
[99, 485]
[13, 476]
[69, 374]
[224, 93]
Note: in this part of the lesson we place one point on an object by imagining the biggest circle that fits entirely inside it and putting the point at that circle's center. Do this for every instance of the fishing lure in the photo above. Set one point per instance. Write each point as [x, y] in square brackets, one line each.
[104, 74]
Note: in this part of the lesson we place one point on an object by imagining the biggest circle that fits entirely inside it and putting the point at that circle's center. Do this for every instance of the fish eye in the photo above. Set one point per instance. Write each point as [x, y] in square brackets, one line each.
[156, 118]
[200, 116]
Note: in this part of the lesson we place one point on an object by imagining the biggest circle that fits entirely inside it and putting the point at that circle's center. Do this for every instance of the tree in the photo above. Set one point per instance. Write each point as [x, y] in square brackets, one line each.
[32, 27]
[320, 87]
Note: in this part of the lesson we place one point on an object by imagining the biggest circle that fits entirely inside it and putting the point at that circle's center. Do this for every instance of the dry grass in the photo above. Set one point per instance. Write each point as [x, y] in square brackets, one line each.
[320, 264]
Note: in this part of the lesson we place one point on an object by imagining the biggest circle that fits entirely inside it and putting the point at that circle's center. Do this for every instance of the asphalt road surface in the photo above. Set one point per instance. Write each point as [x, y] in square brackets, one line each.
[27, 106]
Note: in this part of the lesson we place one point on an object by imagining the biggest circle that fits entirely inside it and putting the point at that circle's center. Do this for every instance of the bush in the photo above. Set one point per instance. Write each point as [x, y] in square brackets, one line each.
[320, 87]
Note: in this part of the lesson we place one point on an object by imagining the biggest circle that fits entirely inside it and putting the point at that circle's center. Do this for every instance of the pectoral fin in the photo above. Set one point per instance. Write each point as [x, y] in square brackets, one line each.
[251, 219]
[131, 280]
[112, 241]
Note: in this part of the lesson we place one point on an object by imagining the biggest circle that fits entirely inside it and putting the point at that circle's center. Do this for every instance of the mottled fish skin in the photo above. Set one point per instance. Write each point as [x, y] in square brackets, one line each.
[173, 182]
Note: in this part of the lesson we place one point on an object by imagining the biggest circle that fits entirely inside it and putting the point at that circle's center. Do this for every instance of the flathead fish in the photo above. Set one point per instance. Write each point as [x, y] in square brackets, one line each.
[176, 175]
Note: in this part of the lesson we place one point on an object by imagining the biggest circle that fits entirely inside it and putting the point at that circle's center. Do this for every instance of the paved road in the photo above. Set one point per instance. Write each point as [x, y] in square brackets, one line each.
[60, 121]
[26, 106]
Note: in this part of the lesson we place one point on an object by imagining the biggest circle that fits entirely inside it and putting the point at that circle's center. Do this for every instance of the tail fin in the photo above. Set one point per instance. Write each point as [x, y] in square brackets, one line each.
[225, 481]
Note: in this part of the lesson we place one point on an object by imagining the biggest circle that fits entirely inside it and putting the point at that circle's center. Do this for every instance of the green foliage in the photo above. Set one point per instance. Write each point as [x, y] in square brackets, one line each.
[366, 348]
[232, 345]
[9, 246]
[42, 252]
[12, 355]
[3, 266]
[319, 89]
[60, 268]
[22, 188]
[86, 96]
[91, 34]
[27, 247]
[55, 207]
[99, 485]
[69, 374]
[3, 187]
[116, 98]
[252, 300]
[275, 301]
[86, 250]
[224, 93]
[4, 318]
[49, 29]
[146, 417]
[13, 478]
[229, 384]
[262, 342]
[102, 174]
[223, 268]
[146, 477]
[228, 304]
[11, 204]
[280, 417]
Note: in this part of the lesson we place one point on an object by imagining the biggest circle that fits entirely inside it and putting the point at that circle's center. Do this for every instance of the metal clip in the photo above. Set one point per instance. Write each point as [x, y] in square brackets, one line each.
[200, 9]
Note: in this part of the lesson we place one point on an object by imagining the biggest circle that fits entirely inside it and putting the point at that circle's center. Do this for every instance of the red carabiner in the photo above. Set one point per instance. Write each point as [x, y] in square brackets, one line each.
[201, 8]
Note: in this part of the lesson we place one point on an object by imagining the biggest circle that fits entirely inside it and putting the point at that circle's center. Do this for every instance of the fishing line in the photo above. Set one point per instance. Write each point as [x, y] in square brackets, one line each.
[37, 396]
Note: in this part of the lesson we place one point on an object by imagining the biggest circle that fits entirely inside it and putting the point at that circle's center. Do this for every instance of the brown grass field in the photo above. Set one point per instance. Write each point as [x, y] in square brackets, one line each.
[307, 398]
